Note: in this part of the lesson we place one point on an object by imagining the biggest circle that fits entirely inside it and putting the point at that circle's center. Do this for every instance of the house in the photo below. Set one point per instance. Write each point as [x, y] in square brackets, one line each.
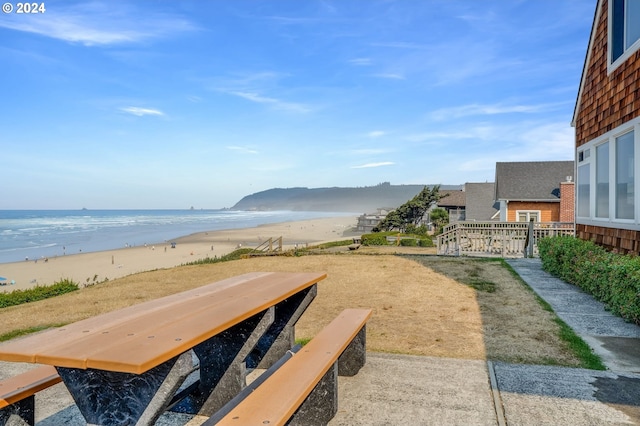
[480, 202]
[453, 201]
[538, 190]
[606, 119]
[366, 222]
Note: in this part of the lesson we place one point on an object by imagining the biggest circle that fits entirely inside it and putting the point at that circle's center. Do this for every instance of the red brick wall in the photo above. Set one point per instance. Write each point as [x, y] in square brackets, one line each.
[567, 202]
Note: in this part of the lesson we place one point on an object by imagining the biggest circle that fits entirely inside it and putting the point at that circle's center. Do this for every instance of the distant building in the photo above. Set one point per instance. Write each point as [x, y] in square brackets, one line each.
[454, 202]
[538, 190]
[366, 222]
[480, 202]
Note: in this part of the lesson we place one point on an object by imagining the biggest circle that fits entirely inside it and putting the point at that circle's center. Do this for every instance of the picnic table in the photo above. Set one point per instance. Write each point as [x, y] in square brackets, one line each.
[126, 366]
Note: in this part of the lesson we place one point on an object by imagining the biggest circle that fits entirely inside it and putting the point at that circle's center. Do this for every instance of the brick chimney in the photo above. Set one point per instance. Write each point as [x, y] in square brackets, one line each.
[567, 200]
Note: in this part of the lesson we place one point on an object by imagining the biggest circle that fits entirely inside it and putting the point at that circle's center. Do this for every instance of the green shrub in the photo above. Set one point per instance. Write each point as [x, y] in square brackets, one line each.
[408, 242]
[613, 279]
[18, 297]
[416, 230]
[330, 244]
[234, 255]
[380, 239]
[426, 242]
[376, 239]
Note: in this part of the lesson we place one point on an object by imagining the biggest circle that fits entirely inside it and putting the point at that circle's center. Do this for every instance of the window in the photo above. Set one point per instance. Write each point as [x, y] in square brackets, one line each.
[584, 199]
[602, 180]
[625, 191]
[606, 180]
[624, 29]
[527, 215]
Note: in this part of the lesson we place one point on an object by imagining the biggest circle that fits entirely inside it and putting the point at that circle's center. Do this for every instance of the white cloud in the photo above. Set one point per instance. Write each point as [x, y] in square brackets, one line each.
[360, 61]
[390, 76]
[100, 24]
[242, 149]
[369, 151]
[276, 103]
[551, 141]
[437, 136]
[479, 109]
[376, 134]
[142, 111]
[370, 165]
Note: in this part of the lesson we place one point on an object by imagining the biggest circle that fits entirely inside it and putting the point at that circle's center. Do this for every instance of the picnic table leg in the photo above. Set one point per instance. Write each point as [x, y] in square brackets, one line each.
[113, 398]
[280, 337]
[354, 356]
[322, 403]
[20, 413]
[222, 367]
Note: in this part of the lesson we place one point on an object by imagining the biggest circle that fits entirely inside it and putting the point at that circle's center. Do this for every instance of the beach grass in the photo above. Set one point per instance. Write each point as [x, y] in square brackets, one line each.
[20, 296]
[423, 305]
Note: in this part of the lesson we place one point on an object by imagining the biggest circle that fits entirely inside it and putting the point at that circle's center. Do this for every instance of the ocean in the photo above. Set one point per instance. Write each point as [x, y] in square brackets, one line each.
[34, 234]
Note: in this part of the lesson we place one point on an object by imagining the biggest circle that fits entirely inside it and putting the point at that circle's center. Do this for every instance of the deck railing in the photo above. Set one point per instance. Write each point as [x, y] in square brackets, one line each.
[503, 239]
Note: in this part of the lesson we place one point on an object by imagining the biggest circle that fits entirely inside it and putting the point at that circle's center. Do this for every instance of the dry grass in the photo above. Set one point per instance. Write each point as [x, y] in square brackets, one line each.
[515, 327]
[416, 309]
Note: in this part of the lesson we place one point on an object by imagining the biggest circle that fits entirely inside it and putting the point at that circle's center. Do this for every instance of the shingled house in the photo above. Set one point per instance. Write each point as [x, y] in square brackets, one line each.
[454, 202]
[480, 205]
[606, 119]
[538, 190]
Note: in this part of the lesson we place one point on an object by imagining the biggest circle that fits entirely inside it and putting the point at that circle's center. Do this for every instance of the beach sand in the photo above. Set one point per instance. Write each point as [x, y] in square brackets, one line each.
[87, 268]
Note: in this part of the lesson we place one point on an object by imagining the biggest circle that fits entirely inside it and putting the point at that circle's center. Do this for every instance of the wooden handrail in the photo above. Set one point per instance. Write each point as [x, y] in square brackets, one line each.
[507, 239]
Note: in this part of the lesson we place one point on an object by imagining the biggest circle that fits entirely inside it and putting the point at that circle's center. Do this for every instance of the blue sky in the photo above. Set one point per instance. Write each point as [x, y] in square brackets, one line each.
[172, 104]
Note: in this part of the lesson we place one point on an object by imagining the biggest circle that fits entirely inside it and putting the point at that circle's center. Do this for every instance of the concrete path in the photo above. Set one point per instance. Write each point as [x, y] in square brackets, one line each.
[405, 390]
[616, 341]
[416, 390]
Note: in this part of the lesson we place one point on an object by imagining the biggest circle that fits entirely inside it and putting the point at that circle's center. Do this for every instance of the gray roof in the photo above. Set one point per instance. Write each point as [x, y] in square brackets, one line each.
[452, 198]
[531, 180]
[481, 205]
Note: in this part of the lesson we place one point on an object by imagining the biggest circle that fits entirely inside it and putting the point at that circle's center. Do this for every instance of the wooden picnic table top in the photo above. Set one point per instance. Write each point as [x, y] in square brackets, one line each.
[140, 337]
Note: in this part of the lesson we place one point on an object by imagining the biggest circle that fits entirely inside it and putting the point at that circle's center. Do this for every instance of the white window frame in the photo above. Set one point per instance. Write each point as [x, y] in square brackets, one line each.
[583, 158]
[610, 166]
[590, 160]
[627, 52]
[528, 213]
[616, 194]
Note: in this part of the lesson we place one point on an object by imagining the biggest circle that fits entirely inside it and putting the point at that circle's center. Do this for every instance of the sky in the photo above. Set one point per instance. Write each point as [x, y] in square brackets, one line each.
[172, 104]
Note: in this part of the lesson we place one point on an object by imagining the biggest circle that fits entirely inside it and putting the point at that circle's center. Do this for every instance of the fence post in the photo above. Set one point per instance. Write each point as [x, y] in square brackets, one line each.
[529, 240]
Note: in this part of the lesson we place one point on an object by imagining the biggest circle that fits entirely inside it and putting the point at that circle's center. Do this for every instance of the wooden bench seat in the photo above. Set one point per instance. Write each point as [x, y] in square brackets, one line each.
[304, 389]
[17, 394]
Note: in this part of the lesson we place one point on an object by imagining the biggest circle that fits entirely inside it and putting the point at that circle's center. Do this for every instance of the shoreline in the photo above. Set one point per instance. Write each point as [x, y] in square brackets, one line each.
[93, 267]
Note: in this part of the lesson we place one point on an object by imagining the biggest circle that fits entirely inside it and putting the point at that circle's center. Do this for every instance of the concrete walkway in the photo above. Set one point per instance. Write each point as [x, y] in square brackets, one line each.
[616, 341]
[416, 390]
[405, 390]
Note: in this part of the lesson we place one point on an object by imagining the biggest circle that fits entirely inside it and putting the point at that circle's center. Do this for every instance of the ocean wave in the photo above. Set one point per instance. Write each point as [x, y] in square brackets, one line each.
[31, 247]
[37, 234]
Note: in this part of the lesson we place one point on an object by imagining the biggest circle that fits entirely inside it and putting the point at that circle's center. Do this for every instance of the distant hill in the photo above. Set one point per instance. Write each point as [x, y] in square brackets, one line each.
[358, 200]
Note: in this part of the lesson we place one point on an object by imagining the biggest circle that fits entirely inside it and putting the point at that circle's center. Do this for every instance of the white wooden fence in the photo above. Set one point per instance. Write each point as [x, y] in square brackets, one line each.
[502, 239]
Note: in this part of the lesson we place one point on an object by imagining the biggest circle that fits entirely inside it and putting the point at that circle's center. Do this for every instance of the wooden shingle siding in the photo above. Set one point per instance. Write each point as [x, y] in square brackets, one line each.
[623, 241]
[549, 212]
[607, 101]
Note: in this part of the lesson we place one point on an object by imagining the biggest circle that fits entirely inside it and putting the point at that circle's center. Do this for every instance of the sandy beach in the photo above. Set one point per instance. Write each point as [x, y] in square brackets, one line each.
[98, 266]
